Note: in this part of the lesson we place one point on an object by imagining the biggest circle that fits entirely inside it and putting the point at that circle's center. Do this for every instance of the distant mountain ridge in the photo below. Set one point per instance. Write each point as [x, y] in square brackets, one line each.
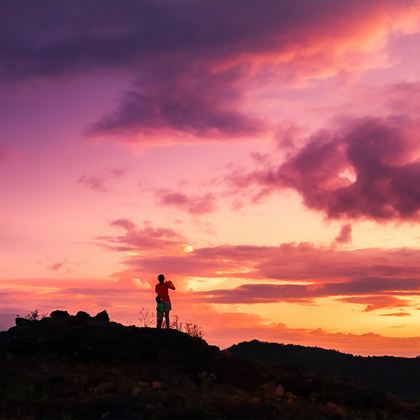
[391, 374]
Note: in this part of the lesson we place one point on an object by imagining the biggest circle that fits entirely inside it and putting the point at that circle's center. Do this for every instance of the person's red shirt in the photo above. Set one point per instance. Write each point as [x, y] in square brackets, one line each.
[161, 290]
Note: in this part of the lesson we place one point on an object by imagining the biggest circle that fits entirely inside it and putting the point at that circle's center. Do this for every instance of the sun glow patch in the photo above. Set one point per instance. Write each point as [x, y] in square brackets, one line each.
[187, 248]
[349, 175]
[138, 282]
[241, 270]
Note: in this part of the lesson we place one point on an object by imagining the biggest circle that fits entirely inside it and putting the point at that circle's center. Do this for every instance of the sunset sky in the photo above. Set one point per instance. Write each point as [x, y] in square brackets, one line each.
[263, 154]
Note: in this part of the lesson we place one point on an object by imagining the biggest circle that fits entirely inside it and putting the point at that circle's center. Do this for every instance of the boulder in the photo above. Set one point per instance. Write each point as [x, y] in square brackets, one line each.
[102, 316]
[22, 321]
[82, 316]
[59, 314]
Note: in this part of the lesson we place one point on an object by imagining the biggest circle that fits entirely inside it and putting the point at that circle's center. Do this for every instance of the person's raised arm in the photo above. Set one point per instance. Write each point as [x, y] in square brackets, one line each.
[170, 285]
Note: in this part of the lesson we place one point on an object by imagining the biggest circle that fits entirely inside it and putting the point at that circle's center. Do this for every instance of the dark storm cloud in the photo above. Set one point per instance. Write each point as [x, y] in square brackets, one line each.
[46, 37]
[190, 57]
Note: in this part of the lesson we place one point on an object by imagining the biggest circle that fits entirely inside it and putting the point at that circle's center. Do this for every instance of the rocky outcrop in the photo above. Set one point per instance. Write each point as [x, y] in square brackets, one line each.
[86, 338]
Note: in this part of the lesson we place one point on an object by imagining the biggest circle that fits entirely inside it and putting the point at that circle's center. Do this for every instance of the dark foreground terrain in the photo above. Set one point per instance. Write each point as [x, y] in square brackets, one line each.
[82, 367]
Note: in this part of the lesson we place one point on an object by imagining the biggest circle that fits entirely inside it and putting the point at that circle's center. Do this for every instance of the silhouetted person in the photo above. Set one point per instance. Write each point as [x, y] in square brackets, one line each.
[162, 290]
[160, 310]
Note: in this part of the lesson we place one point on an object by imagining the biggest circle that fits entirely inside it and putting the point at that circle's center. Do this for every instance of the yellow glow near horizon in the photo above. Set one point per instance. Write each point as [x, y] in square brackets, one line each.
[187, 248]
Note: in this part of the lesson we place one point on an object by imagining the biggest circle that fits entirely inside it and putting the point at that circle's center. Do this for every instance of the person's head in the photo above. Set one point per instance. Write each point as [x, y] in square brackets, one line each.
[161, 278]
[158, 299]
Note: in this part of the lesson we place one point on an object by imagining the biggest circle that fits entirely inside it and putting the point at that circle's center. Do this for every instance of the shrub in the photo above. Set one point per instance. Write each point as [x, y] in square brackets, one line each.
[148, 320]
[35, 316]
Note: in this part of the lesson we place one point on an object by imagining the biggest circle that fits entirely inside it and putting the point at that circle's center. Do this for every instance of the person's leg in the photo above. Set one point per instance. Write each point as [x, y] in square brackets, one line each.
[159, 319]
[168, 307]
[168, 325]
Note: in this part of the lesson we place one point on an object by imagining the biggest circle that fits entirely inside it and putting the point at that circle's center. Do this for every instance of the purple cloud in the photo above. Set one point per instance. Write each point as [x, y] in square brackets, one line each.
[366, 170]
[147, 240]
[194, 205]
[191, 102]
[94, 183]
[117, 172]
[55, 266]
[99, 183]
[344, 237]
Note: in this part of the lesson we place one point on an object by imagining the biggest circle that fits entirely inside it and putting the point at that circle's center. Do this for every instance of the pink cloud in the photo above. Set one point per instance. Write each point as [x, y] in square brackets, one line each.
[94, 183]
[290, 262]
[56, 266]
[374, 302]
[99, 183]
[193, 204]
[344, 237]
[392, 99]
[147, 240]
[117, 172]
[124, 224]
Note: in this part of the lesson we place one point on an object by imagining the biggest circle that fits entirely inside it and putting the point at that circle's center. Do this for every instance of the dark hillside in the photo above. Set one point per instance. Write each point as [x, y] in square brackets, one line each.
[385, 374]
[82, 367]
